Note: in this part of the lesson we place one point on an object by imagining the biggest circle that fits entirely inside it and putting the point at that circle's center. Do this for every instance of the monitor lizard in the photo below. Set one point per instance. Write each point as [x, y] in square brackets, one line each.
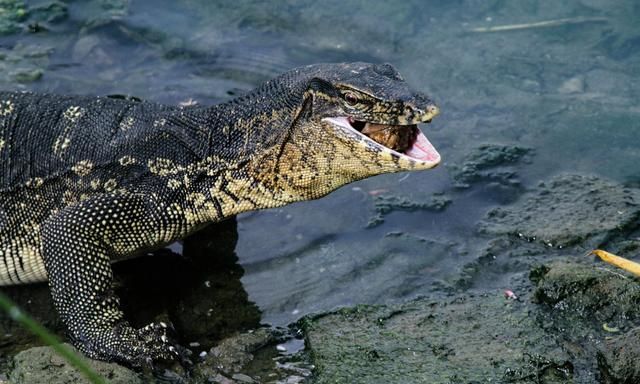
[89, 180]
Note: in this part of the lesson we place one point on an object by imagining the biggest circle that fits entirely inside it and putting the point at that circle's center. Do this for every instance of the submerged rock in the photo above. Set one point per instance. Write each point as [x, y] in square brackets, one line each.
[490, 162]
[568, 210]
[12, 13]
[383, 205]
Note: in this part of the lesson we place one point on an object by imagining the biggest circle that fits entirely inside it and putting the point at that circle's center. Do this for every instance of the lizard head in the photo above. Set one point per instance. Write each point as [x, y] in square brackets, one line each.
[358, 120]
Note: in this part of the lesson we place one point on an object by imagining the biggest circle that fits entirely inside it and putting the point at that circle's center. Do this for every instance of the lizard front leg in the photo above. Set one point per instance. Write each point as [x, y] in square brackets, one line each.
[77, 245]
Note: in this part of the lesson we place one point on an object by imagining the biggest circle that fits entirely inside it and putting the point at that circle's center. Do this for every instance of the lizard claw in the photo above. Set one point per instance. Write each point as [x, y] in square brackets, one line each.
[139, 348]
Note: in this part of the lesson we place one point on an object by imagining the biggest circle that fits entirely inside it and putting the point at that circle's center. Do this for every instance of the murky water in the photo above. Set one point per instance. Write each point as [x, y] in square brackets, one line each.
[568, 91]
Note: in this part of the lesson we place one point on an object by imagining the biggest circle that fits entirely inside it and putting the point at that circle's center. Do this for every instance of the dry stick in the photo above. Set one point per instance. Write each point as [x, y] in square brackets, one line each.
[17, 315]
[540, 24]
[618, 261]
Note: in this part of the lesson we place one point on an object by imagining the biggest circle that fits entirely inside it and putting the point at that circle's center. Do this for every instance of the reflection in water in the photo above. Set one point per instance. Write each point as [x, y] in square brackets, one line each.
[199, 292]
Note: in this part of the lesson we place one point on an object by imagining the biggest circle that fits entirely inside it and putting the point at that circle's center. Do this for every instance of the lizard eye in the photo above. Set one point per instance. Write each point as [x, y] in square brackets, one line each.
[351, 98]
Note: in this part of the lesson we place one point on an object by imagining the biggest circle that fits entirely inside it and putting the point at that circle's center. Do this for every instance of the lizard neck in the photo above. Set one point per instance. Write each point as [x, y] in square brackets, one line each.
[244, 138]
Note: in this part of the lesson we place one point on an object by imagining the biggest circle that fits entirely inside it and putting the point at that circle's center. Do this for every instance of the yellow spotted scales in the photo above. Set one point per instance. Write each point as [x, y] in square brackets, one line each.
[89, 180]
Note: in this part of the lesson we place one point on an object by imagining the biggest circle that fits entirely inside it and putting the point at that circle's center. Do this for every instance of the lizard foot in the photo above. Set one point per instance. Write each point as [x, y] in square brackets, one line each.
[138, 348]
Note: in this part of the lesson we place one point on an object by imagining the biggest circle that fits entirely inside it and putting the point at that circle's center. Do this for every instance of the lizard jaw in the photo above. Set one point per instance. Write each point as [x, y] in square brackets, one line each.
[418, 154]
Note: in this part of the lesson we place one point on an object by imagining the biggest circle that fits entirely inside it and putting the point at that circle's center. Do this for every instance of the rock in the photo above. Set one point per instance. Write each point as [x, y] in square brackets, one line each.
[592, 309]
[461, 339]
[618, 359]
[43, 365]
[587, 292]
[568, 210]
[232, 355]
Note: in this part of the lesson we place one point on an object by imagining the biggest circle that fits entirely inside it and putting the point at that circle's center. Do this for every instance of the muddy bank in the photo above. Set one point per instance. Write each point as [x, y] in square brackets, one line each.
[570, 324]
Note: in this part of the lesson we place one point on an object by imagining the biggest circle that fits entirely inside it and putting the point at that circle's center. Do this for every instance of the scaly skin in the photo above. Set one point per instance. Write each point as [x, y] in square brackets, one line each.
[89, 180]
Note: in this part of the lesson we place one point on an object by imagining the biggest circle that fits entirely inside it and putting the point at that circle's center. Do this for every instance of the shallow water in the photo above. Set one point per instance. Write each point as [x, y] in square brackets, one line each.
[569, 92]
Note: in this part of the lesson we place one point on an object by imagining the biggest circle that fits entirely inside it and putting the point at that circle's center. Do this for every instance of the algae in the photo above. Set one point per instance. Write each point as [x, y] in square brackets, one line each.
[12, 13]
[460, 339]
[490, 162]
[385, 204]
[567, 210]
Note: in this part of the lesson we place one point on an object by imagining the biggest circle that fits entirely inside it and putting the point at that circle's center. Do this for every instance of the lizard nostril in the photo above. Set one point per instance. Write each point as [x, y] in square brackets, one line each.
[433, 110]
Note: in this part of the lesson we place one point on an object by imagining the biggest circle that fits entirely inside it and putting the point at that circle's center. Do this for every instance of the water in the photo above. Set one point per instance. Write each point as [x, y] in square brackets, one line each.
[567, 92]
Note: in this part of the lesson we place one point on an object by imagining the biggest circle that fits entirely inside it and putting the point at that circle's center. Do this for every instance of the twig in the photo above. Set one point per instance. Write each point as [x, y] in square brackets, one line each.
[620, 262]
[539, 24]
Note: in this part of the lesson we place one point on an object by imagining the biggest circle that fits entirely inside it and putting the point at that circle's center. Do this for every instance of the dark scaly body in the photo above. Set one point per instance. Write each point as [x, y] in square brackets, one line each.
[87, 180]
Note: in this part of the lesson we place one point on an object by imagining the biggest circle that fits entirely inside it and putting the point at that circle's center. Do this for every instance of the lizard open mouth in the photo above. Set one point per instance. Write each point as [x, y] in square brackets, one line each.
[402, 140]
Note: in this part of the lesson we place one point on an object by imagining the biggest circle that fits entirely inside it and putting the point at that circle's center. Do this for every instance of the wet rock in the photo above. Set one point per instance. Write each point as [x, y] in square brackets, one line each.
[232, 355]
[490, 162]
[592, 308]
[43, 365]
[568, 210]
[384, 205]
[588, 292]
[460, 339]
[618, 359]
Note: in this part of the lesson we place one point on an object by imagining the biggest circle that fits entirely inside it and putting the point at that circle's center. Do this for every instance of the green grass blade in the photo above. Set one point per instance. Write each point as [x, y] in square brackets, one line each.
[19, 316]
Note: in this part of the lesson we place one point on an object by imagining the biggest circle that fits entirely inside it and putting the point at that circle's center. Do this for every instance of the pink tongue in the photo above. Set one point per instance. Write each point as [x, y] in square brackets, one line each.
[423, 150]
